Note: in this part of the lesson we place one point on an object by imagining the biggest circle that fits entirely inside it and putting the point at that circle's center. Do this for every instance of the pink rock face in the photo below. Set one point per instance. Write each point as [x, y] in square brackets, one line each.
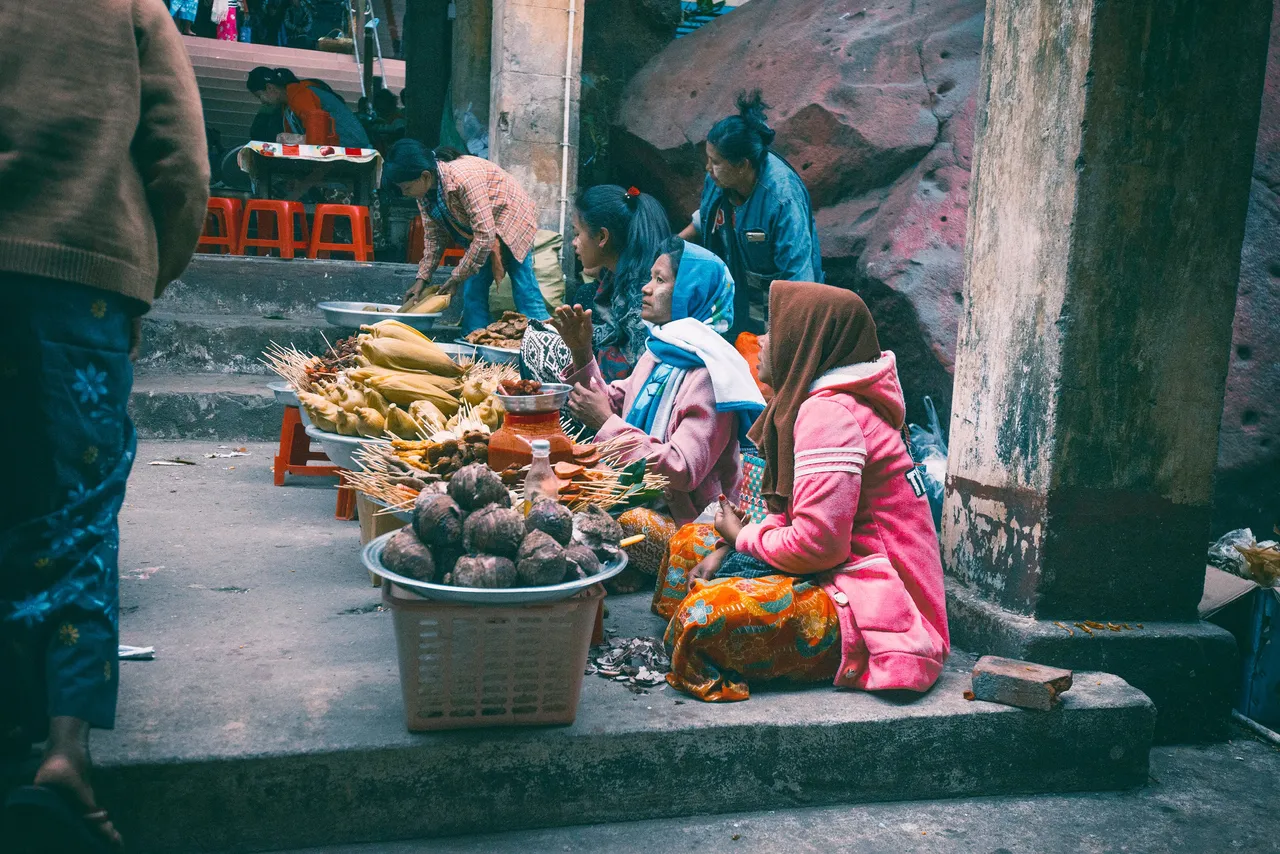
[874, 105]
[1248, 485]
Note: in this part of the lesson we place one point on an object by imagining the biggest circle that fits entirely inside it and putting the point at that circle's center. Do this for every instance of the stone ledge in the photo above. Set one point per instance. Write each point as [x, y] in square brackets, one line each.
[1187, 669]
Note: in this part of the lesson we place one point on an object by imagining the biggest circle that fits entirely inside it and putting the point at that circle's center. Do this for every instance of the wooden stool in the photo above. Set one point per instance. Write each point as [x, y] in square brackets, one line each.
[322, 242]
[295, 450]
[272, 215]
[224, 216]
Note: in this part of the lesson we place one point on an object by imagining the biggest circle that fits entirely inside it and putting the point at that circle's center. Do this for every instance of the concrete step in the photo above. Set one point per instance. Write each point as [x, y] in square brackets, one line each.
[254, 287]
[226, 343]
[204, 405]
[272, 715]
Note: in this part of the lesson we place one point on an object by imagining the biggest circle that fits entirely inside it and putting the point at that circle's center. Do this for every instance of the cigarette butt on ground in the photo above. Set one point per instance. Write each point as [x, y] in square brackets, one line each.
[631, 541]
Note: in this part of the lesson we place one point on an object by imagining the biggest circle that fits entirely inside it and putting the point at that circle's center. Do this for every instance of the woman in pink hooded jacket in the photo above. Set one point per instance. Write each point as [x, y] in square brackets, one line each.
[843, 579]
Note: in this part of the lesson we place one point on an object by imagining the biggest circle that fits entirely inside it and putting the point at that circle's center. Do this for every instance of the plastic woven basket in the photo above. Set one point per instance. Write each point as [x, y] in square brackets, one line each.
[485, 665]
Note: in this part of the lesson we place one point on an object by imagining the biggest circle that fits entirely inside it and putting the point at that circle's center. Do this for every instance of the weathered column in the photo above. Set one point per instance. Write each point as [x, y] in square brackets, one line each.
[526, 104]
[1110, 181]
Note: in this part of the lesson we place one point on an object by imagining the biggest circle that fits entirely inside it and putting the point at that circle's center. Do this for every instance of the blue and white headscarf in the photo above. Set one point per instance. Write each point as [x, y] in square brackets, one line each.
[701, 311]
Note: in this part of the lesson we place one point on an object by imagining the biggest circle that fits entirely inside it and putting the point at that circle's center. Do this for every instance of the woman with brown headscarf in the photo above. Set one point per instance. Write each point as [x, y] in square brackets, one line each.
[843, 579]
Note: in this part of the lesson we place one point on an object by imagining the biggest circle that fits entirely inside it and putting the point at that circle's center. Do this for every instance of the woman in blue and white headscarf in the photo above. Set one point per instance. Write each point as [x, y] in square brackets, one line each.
[691, 395]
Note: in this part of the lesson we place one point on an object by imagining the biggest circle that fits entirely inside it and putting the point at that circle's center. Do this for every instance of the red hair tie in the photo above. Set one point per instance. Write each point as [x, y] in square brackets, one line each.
[633, 193]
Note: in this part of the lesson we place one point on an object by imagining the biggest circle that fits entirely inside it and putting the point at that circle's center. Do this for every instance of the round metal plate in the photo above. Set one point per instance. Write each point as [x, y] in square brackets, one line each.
[372, 557]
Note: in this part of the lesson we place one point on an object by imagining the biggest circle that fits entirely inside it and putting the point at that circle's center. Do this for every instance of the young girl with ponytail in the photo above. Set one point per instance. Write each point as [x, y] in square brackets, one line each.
[755, 214]
[617, 232]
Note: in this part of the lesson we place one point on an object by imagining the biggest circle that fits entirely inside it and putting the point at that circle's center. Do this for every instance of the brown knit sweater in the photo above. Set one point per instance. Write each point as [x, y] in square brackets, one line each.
[104, 174]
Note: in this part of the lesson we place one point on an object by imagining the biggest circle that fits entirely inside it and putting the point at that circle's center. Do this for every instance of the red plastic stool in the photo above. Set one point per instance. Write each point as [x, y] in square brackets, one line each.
[271, 214]
[223, 217]
[346, 509]
[414, 248]
[322, 242]
[295, 450]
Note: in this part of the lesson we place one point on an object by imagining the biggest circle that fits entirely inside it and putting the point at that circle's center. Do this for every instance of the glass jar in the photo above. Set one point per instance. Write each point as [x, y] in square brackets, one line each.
[513, 443]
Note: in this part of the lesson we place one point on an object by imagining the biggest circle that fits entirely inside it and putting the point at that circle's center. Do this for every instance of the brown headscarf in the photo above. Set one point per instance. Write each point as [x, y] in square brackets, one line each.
[812, 329]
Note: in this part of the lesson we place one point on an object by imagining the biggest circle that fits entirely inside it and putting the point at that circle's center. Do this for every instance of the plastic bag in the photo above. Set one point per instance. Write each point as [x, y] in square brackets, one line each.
[929, 450]
[1223, 553]
[475, 134]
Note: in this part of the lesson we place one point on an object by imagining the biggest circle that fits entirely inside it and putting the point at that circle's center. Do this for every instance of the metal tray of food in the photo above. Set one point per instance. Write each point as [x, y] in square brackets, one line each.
[551, 399]
[497, 355]
[353, 315]
[372, 557]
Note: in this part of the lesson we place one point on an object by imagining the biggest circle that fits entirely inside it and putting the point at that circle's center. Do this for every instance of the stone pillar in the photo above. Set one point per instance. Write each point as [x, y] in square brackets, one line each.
[472, 43]
[1110, 181]
[526, 103]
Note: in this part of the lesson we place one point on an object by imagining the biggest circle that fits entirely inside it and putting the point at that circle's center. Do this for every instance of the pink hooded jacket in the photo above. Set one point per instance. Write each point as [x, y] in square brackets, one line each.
[856, 509]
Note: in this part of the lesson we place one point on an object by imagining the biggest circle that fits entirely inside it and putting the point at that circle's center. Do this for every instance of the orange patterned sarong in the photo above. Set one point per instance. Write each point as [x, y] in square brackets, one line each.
[730, 632]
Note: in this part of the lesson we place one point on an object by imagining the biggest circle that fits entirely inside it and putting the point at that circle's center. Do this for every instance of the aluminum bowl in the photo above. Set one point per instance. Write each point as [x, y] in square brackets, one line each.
[352, 315]
[372, 557]
[552, 398]
[341, 449]
[497, 355]
[285, 394]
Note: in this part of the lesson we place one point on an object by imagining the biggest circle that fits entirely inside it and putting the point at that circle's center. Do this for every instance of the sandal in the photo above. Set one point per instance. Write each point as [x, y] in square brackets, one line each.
[41, 820]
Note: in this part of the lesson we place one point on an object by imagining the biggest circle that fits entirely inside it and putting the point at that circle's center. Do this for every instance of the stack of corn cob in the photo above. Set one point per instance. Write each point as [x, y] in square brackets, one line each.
[403, 384]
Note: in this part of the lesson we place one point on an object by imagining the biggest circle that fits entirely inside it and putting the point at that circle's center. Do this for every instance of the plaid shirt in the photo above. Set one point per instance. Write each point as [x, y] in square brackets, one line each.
[491, 204]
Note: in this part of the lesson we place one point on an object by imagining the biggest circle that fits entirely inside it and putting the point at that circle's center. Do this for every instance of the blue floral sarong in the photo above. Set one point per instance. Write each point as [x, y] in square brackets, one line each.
[64, 360]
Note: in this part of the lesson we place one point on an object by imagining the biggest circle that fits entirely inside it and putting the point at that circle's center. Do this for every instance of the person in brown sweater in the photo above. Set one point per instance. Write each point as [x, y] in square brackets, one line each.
[103, 184]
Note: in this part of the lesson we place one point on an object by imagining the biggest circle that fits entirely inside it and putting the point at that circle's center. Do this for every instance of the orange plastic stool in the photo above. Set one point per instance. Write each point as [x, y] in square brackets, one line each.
[295, 450]
[346, 509]
[271, 214]
[414, 248]
[223, 217]
[322, 242]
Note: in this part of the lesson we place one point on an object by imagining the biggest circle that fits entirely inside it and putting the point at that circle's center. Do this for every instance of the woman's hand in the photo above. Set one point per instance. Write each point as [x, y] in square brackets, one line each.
[709, 565]
[728, 521]
[573, 322]
[499, 270]
[415, 293]
[590, 405]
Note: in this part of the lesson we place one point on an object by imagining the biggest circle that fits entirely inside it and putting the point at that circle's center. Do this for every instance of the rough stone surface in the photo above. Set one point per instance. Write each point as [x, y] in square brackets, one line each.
[272, 714]
[218, 343]
[224, 284]
[230, 407]
[1197, 799]
[897, 237]
[1190, 670]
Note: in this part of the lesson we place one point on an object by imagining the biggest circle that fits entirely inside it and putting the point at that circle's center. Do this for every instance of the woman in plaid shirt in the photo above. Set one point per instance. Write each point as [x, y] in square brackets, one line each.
[481, 209]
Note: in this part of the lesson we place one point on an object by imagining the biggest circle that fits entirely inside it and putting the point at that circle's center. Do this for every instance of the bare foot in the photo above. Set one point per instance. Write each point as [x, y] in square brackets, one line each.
[66, 770]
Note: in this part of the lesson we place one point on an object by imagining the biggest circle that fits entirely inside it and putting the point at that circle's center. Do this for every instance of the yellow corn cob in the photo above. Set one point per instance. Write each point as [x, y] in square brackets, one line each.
[401, 355]
[429, 305]
[401, 423]
[428, 415]
[376, 401]
[365, 375]
[394, 329]
[404, 389]
[348, 424]
[473, 392]
[371, 423]
[351, 399]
